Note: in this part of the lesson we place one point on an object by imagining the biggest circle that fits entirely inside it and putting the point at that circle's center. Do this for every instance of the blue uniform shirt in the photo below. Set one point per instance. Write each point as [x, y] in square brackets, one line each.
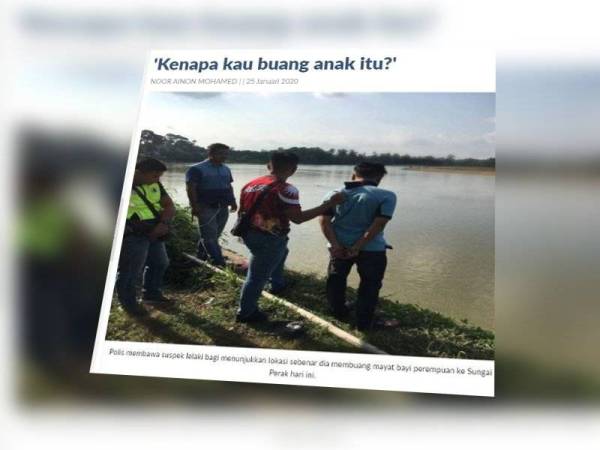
[364, 202]
[213, 183]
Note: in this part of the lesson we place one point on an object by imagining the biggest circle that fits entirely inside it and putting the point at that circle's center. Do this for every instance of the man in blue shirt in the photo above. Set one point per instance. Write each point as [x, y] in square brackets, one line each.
[354, 230]
[211, 198]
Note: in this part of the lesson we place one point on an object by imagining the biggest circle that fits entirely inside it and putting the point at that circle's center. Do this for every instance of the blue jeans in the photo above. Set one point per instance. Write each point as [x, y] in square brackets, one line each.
[267, 258]
[211, 223]
[137, 253]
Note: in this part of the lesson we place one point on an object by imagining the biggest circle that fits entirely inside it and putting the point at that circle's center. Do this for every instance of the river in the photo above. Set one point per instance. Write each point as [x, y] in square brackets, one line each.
[442, 234]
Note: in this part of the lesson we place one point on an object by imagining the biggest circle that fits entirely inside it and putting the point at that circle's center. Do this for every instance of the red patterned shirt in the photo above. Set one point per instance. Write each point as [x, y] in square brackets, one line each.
[270, 216]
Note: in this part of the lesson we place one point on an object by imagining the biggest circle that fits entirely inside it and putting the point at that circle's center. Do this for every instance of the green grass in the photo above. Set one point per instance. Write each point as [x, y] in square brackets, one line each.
[206, 304]
[207, 317]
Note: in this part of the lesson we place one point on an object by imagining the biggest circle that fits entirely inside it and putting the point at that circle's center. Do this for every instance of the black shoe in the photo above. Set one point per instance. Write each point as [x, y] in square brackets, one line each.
[277, 291]
[157, 300]
[134, 310]
[364, 326]
[282, 289]
[256, 316]
[340, 313]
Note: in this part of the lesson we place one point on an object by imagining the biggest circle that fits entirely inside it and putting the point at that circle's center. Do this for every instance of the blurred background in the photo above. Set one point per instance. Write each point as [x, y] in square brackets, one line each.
[72, 88]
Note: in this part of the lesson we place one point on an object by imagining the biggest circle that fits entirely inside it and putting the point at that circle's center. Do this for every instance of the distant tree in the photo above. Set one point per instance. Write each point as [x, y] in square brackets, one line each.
[175, 147]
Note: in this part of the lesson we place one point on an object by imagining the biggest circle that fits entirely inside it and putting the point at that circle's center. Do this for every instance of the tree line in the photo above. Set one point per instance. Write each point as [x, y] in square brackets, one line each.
[176, 148]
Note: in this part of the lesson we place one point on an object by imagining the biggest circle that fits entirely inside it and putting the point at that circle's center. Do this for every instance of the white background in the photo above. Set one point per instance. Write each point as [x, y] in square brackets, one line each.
[549, 33]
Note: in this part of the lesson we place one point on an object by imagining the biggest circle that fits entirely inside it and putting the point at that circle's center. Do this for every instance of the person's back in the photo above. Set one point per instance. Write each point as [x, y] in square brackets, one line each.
[270, 216]
[364, 202]
[267, 238]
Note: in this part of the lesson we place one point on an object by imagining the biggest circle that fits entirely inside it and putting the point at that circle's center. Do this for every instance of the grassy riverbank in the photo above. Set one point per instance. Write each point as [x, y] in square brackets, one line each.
[206, 317]
[206, 302]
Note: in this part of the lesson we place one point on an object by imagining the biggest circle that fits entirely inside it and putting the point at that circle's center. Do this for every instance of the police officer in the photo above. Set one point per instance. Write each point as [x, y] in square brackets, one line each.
[149, 216]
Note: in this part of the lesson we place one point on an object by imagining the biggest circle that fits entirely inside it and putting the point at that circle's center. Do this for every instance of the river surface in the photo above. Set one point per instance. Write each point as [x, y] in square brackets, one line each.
[442, 234]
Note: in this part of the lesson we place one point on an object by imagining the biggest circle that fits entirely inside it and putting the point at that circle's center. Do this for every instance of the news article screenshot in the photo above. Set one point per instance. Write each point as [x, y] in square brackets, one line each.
[319, 218]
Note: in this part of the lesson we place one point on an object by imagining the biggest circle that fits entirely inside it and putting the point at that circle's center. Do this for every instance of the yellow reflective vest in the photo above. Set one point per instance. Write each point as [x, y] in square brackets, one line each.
[137, 206]
[45, 229]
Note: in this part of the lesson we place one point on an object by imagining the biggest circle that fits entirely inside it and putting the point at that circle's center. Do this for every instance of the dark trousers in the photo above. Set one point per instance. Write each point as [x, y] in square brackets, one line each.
[371, 268]
[140, 255]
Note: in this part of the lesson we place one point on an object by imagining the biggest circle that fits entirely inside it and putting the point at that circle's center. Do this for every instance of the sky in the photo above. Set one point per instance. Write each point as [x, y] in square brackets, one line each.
[462, 124]
[549, 111]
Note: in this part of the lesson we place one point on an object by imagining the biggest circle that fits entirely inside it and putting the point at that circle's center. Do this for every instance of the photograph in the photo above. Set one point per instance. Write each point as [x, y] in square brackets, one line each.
[282, 225]
[330, 222]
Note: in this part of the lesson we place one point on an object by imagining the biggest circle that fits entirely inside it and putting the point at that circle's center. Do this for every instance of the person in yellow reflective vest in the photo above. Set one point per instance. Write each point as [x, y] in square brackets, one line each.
[149, 216]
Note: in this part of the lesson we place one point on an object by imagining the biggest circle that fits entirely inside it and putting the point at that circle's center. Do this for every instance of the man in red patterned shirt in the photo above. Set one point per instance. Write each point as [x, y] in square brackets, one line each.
[270, 225]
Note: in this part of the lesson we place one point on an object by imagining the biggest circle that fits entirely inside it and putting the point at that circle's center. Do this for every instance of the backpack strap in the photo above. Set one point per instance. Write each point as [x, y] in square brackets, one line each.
[148, 203]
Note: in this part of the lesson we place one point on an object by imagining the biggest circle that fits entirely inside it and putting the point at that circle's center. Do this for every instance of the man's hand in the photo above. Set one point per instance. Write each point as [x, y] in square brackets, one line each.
[159, 230]
[233, 208]
[376, 227]
[353, 251]
[337, 199]
[337, 251]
